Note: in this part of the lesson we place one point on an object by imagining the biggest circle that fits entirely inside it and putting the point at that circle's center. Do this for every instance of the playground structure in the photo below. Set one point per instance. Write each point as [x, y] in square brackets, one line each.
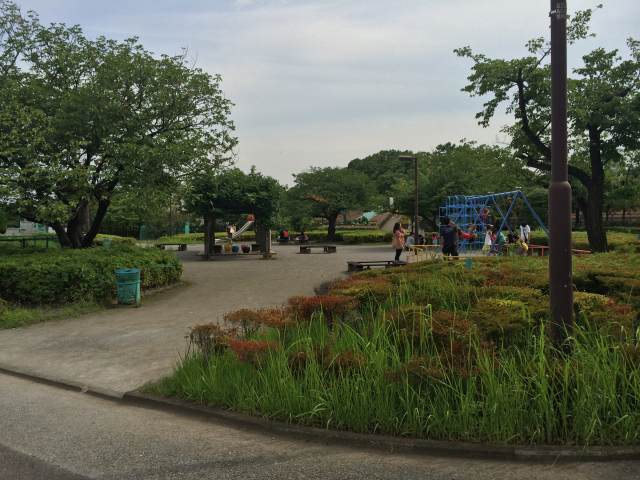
[466, 211]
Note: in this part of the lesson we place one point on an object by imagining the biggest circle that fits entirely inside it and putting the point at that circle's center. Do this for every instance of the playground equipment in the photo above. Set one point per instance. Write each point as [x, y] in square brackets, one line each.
[467, 210]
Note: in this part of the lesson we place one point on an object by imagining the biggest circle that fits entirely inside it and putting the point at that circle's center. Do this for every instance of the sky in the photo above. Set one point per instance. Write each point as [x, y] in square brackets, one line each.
[319, 83]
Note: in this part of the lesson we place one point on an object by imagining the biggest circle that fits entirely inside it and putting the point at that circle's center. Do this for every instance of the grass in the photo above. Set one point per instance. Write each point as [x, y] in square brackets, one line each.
[434, 351]
[14, 316]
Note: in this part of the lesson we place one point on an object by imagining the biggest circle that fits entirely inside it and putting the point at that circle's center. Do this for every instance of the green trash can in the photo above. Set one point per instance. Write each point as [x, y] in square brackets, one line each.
[106, 243]
[128, 283]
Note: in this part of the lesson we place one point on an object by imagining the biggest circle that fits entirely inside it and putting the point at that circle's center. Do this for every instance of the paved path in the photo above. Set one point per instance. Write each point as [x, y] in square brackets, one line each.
[52, 434]
[120, 349]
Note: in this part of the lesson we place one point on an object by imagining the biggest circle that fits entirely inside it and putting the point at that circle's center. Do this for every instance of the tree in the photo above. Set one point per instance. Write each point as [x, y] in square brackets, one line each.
[384, 168]
[604, 111]
[328, 192]
[81, 119]
[623, 190]
[450, 169]
[215, 194]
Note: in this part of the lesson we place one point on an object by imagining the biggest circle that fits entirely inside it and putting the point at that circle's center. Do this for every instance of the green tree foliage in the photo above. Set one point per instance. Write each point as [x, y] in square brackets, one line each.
[81, 119]
[604, 111]
[450, 169]
[623, 186]
[233, 191]
[328, 192]
[383, 168]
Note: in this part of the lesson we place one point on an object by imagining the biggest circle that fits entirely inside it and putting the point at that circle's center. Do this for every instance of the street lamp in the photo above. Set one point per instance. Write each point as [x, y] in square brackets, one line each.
[560, 261]
[414, 159]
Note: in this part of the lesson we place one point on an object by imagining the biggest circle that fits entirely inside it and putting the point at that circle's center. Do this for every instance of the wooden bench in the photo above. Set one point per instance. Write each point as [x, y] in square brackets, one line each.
[182, 247]
[325, 248]
[359, 266]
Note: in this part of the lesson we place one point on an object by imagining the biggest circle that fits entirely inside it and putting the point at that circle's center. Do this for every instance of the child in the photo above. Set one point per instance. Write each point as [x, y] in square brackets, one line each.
[488, 240]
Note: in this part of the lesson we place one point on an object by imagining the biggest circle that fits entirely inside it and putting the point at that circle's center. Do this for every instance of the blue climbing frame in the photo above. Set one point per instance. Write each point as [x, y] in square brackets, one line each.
[466, 210]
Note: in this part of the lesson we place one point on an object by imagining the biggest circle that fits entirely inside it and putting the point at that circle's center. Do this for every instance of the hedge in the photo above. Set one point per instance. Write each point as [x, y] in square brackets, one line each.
[55, 277]
[618, 241]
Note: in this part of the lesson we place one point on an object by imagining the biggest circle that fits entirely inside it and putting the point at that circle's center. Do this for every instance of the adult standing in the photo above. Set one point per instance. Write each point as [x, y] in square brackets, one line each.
[449, 237]
[398, 240]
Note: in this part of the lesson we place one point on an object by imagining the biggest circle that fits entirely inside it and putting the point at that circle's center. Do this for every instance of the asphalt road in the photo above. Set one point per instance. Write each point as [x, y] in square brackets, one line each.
[55, 434]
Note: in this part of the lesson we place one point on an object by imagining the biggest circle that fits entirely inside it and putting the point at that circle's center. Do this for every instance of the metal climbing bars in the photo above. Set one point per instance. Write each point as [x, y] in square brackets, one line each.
[471, 210]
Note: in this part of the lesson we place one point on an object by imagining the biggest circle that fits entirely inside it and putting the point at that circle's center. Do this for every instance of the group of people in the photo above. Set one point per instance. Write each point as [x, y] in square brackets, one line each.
[301, 238]
[450, 235]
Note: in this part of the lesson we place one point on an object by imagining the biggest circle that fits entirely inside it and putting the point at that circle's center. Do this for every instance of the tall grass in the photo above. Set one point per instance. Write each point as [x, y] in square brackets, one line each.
[427, 361]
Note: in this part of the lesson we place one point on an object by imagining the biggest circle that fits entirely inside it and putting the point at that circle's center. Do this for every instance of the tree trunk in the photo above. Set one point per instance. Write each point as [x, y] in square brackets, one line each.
[61, 233]
[576, 224]
[624, 216]
[103, 206]
[595, 199]
[331, 231]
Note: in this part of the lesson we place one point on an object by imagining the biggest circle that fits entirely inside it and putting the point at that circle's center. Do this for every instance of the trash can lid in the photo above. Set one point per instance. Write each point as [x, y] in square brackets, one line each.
[127, 270]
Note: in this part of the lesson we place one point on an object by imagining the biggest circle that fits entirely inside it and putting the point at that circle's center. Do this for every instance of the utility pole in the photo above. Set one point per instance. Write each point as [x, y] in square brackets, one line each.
[414, 159]
[560, 261]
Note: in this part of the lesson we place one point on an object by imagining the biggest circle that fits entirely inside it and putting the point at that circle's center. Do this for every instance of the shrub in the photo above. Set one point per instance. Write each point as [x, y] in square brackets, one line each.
[248, 320]
[251, 351]
[499, 319]
[115, 240]
[330, 305]
[363, 287]
[251, 320]
[209, 339]
[64, 276]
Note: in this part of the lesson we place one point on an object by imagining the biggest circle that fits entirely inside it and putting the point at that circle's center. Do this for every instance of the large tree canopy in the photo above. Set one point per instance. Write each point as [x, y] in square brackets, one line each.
[328, 192]
[460, 169]
[604, 111]
[81, 118]
[233, 191]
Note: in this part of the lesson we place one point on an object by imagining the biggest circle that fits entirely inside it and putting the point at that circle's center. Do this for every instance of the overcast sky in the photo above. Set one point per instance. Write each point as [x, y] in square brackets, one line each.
[318, 83]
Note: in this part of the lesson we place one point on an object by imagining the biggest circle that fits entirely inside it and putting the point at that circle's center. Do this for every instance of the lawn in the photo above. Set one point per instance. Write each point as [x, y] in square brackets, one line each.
[435, 351]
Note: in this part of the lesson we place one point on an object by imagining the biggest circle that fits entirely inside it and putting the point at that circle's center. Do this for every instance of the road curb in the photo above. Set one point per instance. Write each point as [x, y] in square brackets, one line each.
[28, 374]
[386, 443]
[389, 443]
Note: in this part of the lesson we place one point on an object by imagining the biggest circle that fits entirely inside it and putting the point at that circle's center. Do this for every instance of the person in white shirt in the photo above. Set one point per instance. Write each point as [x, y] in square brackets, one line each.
[525, 231]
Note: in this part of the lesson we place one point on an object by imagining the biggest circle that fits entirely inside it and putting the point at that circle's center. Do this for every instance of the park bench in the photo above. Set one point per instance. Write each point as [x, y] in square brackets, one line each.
[359, 266]
[538, 250]
[325, 248]
[182, 247]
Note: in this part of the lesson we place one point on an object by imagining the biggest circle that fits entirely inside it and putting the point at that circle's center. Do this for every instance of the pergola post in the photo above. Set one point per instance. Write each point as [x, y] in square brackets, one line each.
[209, 235]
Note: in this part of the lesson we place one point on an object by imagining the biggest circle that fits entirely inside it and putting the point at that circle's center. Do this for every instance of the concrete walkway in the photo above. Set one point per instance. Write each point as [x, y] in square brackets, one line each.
[120, 349]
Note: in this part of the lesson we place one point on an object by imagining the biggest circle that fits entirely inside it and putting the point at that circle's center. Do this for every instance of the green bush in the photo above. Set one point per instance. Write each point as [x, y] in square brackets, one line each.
[618, 241]
[63, 276]
[115, 239]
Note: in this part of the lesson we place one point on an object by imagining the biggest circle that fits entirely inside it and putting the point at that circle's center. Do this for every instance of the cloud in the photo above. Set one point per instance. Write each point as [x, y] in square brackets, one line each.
[321, 82]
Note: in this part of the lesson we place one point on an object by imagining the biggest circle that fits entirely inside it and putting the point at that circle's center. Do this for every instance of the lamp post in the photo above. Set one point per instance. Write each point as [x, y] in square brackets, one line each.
[414, 159]
[560, 261]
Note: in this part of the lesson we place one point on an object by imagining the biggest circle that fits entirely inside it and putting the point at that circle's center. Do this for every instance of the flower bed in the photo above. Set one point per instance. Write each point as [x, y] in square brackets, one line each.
[435, 351]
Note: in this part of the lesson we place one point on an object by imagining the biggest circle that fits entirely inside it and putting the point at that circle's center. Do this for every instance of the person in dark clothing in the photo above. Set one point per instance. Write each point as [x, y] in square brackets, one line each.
[449, 237]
